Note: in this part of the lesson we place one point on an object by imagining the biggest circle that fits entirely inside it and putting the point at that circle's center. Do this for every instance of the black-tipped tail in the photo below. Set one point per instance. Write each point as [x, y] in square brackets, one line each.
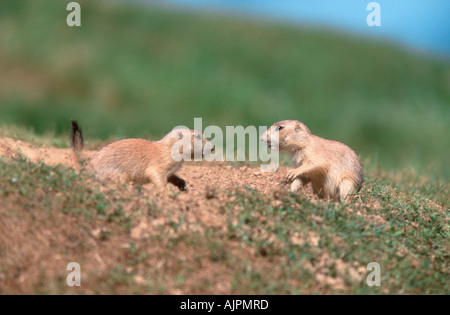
[76, 141]
[76, 137]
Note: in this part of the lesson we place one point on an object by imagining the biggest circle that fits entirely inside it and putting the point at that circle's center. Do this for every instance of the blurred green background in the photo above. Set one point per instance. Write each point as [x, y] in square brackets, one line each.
[138, 71]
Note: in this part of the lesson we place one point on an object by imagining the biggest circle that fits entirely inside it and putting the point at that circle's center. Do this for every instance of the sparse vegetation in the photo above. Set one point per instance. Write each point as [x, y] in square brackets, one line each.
[244, 240]
[136, 72]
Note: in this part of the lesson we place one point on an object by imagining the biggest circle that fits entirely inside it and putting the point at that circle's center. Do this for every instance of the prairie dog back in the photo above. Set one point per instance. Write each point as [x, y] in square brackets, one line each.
[127, 160]
[142, 161]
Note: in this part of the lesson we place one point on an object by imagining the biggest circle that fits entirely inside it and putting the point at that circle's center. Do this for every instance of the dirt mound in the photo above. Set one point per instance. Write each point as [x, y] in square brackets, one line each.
[237, 231]
[10, 148]
[49, 233]
[205, 181]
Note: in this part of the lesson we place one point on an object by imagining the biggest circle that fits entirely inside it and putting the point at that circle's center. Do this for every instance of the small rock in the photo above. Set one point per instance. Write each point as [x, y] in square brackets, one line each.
[141, 231]
[276, 203]
[317, 219]
[139, 279]
[96, 232]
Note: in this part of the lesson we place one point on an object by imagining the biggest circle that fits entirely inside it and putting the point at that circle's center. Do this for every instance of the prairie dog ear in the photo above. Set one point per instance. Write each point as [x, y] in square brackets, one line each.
[180, 135]
[298, 128]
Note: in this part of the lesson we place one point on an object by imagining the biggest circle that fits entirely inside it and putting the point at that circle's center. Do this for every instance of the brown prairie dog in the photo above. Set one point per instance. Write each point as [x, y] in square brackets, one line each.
[332, 167]
[141, 161]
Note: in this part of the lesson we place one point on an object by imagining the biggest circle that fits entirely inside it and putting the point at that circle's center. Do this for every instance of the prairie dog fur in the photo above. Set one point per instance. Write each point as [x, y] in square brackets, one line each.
[332, 167]
[142, 161]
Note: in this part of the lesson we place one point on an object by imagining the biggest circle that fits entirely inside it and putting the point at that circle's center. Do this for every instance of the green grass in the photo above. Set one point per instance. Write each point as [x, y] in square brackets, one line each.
[133, 71]
[405, 237]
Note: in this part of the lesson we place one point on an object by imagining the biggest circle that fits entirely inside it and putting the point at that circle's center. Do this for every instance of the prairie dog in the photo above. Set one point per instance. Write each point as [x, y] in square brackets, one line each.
[332, 167]
[142, 161]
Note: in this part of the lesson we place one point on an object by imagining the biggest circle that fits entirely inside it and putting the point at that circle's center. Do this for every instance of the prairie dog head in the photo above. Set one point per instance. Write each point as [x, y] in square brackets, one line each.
[188, 145]
[286, 135]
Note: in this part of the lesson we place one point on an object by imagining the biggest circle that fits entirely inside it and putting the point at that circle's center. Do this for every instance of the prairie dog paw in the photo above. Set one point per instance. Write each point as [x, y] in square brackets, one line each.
[291, 175]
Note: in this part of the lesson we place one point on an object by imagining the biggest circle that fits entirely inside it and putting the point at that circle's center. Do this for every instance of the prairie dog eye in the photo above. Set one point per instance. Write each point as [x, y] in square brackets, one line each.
[279, 128]
[197, 136]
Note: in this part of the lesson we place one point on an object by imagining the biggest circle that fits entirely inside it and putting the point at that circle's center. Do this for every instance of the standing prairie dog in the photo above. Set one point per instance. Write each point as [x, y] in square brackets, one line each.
[332, 167]
[141, 161]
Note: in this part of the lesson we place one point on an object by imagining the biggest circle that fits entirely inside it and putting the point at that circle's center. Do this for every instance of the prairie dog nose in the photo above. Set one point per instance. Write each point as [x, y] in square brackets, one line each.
[265, 139]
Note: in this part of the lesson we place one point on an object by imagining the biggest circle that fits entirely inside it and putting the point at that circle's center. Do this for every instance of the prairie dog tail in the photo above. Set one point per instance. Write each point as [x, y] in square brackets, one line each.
[76, 142]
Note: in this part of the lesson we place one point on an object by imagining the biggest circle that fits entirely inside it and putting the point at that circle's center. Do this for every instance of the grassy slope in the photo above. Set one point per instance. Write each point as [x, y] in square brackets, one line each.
[138, 72]
[128, 68]
[272, 244]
